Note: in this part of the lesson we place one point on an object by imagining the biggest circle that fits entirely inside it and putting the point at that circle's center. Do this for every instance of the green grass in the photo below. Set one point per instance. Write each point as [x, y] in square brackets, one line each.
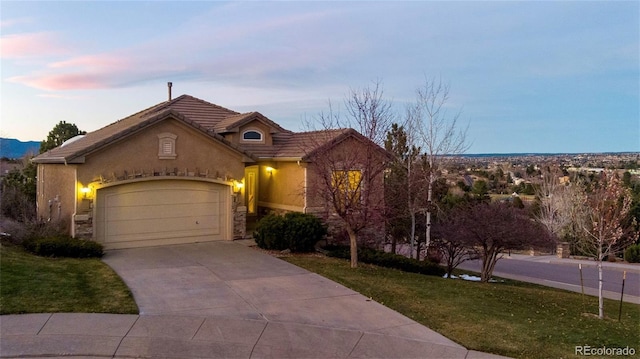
[32, 284]
[508, 318]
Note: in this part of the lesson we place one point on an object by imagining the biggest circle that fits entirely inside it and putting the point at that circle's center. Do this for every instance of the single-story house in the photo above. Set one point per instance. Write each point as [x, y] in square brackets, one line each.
[182, 171]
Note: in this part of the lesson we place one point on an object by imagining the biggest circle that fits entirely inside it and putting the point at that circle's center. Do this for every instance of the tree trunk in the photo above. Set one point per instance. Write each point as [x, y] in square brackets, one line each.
[428, 224]
[353, 246]
[413, 233]
[488, 262]
[600, 298]
[394, 242]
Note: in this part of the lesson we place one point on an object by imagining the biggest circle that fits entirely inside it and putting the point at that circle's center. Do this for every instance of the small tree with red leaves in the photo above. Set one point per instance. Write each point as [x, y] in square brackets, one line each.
[487, 230]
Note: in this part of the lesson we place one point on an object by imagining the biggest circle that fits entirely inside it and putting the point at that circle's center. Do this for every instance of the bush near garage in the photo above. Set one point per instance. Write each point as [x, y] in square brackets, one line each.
[388, 260]
[632, 254]
[63, 246]
[297, 232]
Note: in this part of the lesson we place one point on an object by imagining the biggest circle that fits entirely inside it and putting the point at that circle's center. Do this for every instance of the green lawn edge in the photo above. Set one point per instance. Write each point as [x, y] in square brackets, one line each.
[33, 284]
[509, 318]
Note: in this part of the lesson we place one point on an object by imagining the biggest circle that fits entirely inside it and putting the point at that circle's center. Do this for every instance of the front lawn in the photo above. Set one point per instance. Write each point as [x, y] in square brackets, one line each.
[509, 318]
[32, 284]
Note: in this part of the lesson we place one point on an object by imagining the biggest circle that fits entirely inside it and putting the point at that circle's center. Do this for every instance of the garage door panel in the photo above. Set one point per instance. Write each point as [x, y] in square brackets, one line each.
[162, 212]
[141, 212]
[196, 235]
[209, 224]
[162, 197]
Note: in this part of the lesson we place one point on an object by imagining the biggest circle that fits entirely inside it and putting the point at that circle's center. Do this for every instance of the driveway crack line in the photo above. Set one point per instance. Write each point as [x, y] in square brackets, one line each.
[124, 336]
[258, 341]
[45, 324]
[356, 345]
[199, 327]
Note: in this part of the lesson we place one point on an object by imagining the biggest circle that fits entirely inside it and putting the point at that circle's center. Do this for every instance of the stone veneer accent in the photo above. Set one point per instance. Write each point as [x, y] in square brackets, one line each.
[239, 222]
[83, 226]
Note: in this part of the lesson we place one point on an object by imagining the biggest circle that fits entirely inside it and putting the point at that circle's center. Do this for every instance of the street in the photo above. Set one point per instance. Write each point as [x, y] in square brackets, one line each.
[565, 274]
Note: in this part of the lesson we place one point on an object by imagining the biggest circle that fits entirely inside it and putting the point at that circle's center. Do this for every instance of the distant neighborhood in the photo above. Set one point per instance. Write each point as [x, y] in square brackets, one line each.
[463, 168]
[510, 174]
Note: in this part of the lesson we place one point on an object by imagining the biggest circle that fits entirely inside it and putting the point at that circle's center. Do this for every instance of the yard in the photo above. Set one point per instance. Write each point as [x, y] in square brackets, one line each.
[32, 284]
[509, 318]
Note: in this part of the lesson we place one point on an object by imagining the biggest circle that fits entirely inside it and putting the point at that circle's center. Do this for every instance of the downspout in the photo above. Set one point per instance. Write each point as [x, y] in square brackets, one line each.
[75, 202]
[304, 209]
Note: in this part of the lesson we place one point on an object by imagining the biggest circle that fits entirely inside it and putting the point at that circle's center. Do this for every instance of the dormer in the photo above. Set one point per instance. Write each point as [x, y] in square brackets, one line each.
[249, 129]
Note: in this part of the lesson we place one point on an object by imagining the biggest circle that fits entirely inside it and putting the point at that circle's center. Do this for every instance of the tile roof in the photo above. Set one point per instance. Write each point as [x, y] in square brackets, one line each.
[231, 123]
[291, 145]
[208, 118]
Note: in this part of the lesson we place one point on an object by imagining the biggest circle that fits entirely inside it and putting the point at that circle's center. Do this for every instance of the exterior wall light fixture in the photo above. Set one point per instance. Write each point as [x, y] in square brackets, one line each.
[85, 191]
[238, 186]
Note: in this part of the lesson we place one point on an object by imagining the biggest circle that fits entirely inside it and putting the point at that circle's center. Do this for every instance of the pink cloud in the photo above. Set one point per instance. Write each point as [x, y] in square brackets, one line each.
[95, 62]
[30, 45]
[54, 82]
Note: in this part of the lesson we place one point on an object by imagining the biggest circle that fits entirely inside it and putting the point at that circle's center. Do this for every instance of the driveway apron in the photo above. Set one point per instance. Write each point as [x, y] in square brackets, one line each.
[226, 300]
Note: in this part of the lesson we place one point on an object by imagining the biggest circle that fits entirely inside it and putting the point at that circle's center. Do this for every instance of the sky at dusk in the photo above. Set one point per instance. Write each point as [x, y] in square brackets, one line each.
[544, 76]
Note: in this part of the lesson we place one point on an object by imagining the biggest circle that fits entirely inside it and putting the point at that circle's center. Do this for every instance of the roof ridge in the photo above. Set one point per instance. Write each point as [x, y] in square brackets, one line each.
[181, 97]
[345, 129]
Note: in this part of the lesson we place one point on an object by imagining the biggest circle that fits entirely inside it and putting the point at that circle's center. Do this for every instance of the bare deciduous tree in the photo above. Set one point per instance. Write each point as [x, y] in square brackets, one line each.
[348, 172]
[606, 229]
[439, 134]
[555, 203]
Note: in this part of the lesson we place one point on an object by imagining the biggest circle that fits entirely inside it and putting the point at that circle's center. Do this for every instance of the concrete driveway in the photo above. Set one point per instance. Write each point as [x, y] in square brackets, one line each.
[223, 300]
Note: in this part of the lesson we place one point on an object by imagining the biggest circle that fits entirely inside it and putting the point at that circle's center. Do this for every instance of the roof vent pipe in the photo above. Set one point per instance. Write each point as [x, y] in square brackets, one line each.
[169, 84]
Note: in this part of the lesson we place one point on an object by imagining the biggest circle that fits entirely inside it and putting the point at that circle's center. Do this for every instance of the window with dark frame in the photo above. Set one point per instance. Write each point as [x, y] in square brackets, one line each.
[252, 135]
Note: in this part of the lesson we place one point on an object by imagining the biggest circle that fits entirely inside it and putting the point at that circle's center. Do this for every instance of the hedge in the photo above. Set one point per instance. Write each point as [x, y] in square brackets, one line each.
[632, 254]
[63, 246]
[295, 231]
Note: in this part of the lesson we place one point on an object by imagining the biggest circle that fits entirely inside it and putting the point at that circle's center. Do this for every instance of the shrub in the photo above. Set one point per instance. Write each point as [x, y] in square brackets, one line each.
[20, 231]
[297, 232]
[632, 253]
[303, 231]
[270, 232]
[63, 246]
[389, 260]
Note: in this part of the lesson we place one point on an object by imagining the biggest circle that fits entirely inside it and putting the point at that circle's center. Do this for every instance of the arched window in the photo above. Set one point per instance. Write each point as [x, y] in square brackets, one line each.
[252, 135]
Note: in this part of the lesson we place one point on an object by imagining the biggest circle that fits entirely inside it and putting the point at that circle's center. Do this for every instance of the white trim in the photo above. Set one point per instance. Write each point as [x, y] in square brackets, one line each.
[260, 140]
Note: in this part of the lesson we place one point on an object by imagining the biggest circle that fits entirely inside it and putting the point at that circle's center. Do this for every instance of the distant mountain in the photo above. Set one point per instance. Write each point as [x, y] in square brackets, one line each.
[12, 148]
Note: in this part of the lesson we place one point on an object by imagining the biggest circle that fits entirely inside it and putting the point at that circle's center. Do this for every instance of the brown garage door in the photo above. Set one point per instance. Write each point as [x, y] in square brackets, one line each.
[161, 212]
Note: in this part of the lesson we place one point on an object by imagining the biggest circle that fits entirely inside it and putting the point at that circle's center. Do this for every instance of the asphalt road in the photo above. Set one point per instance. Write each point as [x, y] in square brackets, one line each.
[567, 276]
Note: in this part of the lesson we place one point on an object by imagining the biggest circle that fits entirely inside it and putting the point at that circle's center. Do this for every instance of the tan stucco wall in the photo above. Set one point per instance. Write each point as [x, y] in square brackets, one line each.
[56, 183]
[139, 152]
[284, 186]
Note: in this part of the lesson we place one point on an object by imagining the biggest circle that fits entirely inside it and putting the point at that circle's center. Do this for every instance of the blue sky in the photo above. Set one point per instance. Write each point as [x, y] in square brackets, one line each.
[545, 76]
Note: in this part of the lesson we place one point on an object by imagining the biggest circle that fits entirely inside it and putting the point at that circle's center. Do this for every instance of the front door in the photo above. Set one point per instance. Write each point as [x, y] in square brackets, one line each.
[251, 192]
